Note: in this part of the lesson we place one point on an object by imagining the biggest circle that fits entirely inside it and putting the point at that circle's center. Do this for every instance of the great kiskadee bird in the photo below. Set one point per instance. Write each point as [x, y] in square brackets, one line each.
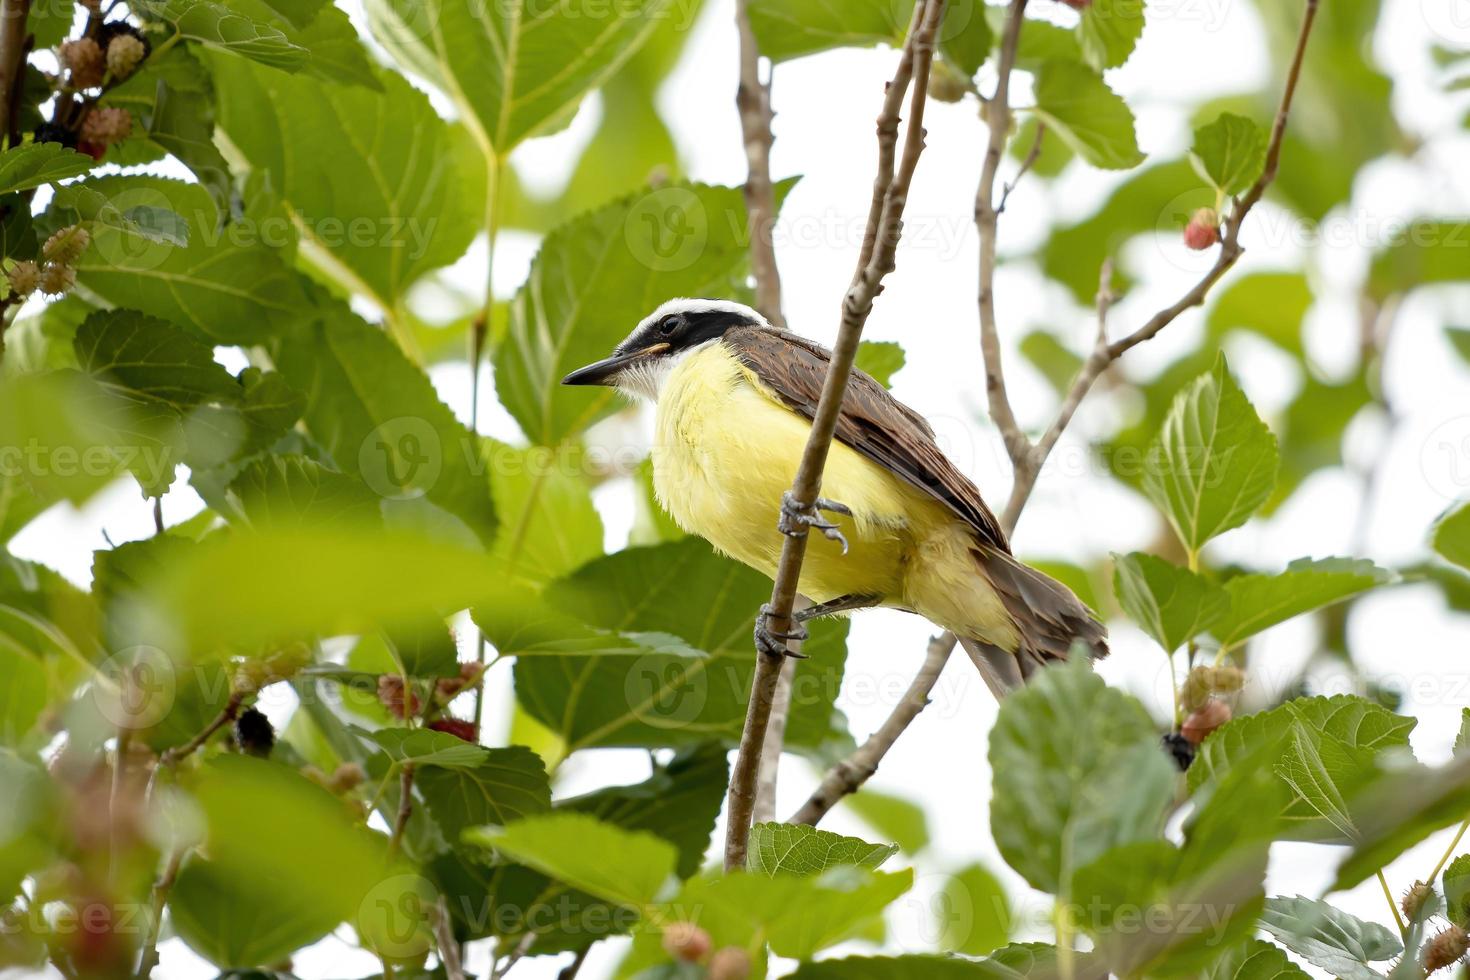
[734, 400]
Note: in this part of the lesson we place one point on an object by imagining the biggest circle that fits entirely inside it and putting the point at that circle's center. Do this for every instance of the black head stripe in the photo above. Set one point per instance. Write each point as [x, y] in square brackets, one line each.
[686, 328]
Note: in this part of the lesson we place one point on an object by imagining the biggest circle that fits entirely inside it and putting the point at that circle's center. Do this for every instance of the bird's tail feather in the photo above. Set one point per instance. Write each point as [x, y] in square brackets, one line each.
[1049, 620]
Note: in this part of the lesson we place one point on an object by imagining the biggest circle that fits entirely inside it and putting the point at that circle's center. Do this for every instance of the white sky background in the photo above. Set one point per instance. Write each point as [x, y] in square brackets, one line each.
[1191, 50]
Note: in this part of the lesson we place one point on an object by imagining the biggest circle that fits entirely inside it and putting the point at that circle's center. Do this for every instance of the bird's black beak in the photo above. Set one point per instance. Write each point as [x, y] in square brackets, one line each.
[604, 371]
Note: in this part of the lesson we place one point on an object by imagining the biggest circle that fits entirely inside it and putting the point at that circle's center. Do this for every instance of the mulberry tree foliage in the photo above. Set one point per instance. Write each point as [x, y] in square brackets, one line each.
[264, 726]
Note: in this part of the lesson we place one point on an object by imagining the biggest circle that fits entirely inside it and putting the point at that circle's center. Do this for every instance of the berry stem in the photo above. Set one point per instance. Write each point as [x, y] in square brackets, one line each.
[1448, 852]
[1388, 894]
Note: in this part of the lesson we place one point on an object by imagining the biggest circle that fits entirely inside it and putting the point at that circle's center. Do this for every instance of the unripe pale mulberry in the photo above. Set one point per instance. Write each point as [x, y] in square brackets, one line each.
[24, 278]
[107, 126]
[124, 52]
[84, 59]
[57, 279]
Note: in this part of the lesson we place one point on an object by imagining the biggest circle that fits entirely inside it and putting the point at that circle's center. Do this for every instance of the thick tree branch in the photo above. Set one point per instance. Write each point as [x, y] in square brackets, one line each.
[13, 32]
[849, 775]
[885, 223]
[1104, 353]
[987, 222]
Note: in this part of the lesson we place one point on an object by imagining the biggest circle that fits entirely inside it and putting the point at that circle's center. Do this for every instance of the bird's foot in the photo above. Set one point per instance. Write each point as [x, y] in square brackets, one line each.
[797, 518]
[772, 642]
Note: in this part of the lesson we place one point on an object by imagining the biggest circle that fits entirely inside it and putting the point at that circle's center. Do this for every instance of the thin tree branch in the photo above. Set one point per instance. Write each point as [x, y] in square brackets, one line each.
[885, 223]
[849, 775]
[444, 938]
[1028, 466]
[1031, 157]
[405, 808]
[770, 765]
[161, 888]
[753, 98]
[987, 222]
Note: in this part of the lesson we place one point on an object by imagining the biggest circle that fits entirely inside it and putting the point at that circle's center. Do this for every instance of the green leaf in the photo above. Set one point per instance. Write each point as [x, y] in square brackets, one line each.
[1459, 338]
[1057, 363]
[294, 490]
[1269, 304]
[1452, 536]
[1109, 31]
[798, 916]
[1355, 729]
[1330, 938]
[375, 180]
[797, 849]
[1172, 604]
[153, 222]
[1456, 886]
[227, 290]
[1214, 461]
[354, 582]
[786, 29]
[1401, 808]
[268, 827]
[1425, 253]
[506, 785]
[239, 922]
[422, 747]
[910, 967]
[382, 421]
[1260, 601]
[1256, 960]
[965, 36]
[550, 525]
[595, 279]
[895, 817]
[215, 25]
[336, 53]
[679, 802]
[1077, 105]
[34, 164]
[1230, 153]
[1198, 898]
[1078, 770]
[975, 918]
[655, 690]
[1462, 740]
[629, 868]
[880, 360]
[515, 69]
[148, 358]
[25, 693]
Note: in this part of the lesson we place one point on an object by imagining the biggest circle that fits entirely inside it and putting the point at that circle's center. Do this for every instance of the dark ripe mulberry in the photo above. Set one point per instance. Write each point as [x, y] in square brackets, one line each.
[1180, 748]
[458, 728]
[254, 734]
[120, 28]
[53, 133]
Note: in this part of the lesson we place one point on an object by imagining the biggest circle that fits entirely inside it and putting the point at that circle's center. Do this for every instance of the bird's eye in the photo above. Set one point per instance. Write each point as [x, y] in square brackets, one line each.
[668, 325]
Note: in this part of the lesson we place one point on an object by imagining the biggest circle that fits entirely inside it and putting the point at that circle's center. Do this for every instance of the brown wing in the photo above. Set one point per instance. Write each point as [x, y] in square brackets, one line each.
[872, 422]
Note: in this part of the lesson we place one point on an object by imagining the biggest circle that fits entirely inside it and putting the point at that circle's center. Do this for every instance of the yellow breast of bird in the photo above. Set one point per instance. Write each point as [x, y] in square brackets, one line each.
[726, 450]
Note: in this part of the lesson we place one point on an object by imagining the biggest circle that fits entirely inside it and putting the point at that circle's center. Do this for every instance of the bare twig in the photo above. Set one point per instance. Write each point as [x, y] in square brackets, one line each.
[987, 222]
[754, 101]
[570, 971]
[161, 888]
[1031, 157]
[444, 938]
[880, 246]
[405, 807]
[1028, 465]
[849, 775]
[172, 757]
